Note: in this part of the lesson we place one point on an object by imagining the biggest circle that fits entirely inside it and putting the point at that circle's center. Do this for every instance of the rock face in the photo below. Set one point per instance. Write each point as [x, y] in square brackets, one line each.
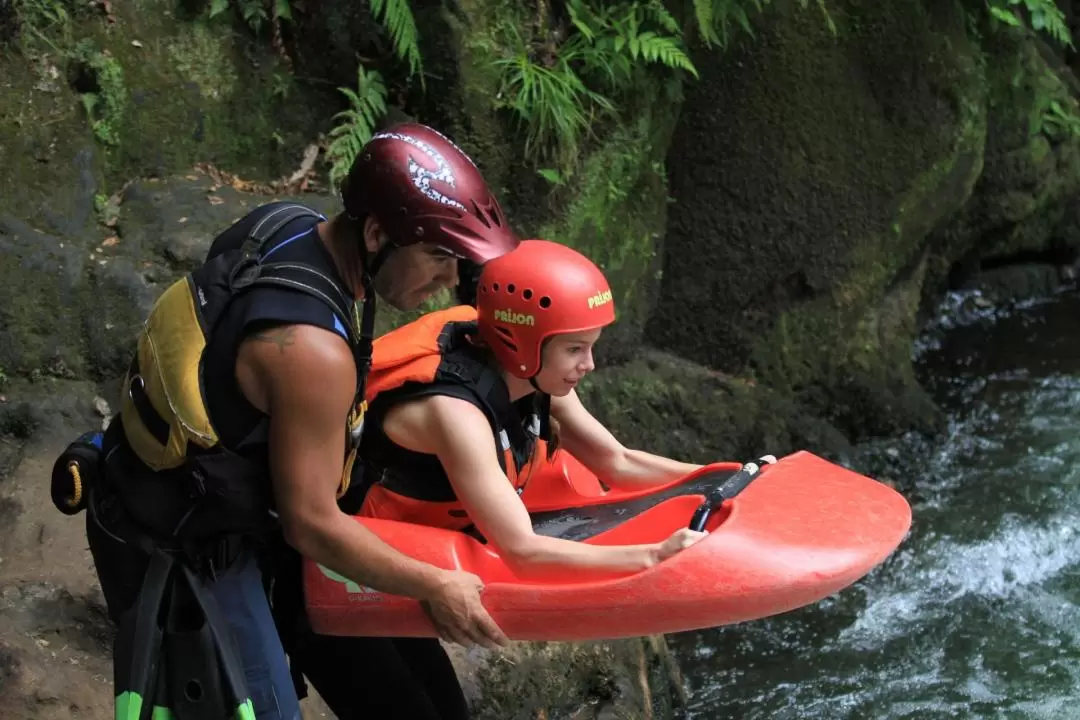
[827, 187]
[1018, 236]
[806, 170]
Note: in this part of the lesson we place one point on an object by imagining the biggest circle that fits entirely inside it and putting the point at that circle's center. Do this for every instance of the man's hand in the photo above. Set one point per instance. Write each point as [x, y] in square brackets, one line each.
[459, 616]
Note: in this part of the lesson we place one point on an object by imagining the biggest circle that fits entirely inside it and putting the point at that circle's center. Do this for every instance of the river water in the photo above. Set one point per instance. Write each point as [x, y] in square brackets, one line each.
[977, 615]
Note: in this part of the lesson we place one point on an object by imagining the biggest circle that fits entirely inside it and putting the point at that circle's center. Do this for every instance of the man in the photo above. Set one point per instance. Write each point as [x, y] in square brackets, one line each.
[213, 443]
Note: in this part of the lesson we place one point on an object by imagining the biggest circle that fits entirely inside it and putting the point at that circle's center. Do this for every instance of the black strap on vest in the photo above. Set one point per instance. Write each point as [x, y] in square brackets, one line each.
[461, 366]
[250, 271]
[463, 375]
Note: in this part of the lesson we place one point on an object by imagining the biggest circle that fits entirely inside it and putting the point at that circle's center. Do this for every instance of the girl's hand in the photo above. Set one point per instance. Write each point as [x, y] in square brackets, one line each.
[679, 541]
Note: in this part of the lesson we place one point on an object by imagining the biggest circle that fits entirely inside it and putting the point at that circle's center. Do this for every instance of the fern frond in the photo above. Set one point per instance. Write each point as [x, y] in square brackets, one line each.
[1044, 16]
[664, 50]
[557, 103]
[217, 7]
[397, 18]
[703, 13]
[580, 17]
[659, 14]
[367, 104]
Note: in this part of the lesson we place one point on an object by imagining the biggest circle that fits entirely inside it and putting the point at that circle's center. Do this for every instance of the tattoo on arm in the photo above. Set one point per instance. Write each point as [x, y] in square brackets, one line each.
[282, 337]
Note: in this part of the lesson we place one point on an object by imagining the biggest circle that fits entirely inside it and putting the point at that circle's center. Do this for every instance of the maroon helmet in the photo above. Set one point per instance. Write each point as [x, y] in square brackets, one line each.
[421, 187]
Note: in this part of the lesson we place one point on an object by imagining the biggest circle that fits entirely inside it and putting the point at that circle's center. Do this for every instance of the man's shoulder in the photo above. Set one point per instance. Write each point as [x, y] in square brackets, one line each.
[301, 364]
[232, 237]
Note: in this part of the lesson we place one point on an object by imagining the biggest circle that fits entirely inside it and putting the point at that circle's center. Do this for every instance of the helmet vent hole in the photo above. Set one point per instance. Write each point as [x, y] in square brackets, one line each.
[545, 302]
[507, 342]
[504, 331]
[480, 214]
[527, 294]
[495, 218]
[511, 288]
[495, 287]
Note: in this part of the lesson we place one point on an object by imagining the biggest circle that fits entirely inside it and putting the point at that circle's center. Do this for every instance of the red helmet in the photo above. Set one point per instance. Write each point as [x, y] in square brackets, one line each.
[540, 289]
[422, 188]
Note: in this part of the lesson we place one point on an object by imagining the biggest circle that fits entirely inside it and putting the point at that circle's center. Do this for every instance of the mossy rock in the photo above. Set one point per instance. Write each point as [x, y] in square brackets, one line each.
[1024, 206]
[632, 679]
[676, 408]
[155, 92]
[806, 171]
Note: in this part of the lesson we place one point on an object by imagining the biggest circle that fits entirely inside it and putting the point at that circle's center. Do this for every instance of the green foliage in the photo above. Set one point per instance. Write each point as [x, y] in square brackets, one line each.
[715, 18]
[559, 92]
[1044, 15]
[1058, 121]
[366, 105]
[253, 12]
[551, 100]
[1054, 112]
[41, 14]
[610, 176]
[397, 17]
[105, 104]
[47, 21]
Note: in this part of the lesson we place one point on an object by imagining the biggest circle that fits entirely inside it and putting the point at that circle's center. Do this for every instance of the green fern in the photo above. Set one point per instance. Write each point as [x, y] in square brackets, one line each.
[559, 95]
[1044, 15]
[553, 103]
[625, 28]
[706, 23]
[41, 14]
[104, 107]
[397, 18]
[253, 12]
[367, 104]
[718, 19]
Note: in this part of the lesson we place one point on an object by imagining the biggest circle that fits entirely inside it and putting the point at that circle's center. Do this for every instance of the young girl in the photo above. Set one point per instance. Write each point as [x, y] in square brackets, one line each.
[454, 432]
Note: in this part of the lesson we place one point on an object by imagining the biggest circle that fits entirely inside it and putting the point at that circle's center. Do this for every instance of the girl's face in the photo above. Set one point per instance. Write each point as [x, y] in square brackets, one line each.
[565, 359]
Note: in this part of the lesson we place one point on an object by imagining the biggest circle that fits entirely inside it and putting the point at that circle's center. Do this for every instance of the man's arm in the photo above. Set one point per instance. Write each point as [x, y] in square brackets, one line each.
[304, 378]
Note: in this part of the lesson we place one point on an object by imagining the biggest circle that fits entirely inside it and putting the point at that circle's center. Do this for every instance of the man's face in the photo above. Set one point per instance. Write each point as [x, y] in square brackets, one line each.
[411, 274]
[414, 273]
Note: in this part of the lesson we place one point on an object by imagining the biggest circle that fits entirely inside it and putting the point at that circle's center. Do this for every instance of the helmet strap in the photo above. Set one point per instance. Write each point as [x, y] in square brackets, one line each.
[379, 259]
[368, 271]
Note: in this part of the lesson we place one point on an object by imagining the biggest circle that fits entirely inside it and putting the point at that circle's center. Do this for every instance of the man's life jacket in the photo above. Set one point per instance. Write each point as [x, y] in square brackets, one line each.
[193, 485]
[183, 480]
[433, 356]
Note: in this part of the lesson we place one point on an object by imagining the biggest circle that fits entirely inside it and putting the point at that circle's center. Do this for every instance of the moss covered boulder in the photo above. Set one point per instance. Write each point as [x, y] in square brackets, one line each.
[633, 679]
[1018, 236]
[806, 170]
[154, 89]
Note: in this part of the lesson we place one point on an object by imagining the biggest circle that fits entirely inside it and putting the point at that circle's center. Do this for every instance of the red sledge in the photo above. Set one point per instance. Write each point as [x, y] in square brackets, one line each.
[800, 530]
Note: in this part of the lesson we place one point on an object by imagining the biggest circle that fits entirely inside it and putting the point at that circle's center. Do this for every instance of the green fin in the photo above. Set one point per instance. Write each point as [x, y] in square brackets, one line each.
[246, 711]
[128, 706]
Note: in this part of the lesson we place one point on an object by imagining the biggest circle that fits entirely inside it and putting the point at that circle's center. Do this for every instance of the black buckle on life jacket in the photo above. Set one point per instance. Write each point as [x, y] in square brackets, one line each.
[151, 418]
[248, 268]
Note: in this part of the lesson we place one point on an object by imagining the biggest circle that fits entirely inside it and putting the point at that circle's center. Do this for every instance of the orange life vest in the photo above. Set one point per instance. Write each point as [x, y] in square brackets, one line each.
[432, 356]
